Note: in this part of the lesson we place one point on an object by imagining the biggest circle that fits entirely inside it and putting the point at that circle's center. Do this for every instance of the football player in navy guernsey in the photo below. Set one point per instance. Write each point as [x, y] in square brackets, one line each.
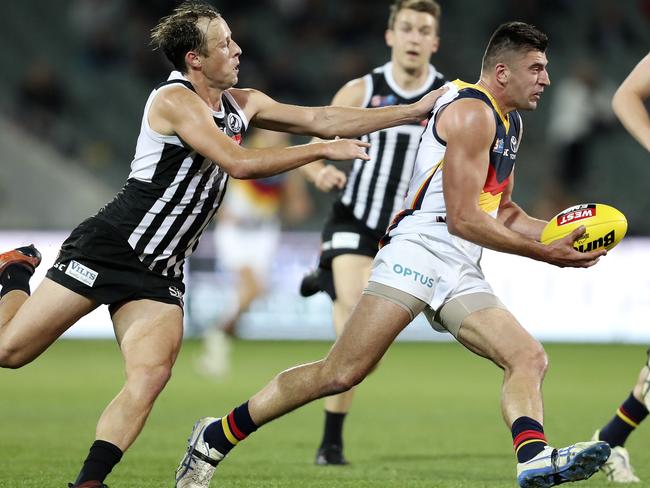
[458, 202]
[375, 190]
[629, 106]
[130, 254]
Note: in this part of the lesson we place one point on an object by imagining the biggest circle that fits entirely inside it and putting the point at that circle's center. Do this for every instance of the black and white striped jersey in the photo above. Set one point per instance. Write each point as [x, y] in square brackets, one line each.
[375, 189]
[172, 192]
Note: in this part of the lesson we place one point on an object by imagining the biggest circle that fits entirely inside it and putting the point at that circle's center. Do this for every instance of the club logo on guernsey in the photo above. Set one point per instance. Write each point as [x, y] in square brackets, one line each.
[415, 276]
[234, 123]
[81, 273]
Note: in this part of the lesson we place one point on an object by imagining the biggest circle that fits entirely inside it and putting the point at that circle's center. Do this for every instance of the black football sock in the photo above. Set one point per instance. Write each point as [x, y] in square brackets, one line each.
[528, 438]
[103, 456]
[15, 277]
[627, 418]
[228, 431]
[333, 434]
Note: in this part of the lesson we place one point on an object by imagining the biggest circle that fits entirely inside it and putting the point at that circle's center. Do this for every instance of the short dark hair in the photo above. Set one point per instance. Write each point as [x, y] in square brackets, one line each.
[427, 6]
[177, 34]
[513, 36]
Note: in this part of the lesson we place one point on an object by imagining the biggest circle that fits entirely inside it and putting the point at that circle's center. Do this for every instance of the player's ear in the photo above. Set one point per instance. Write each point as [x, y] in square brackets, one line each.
[193, 60]
[389, 35]
[502, 73]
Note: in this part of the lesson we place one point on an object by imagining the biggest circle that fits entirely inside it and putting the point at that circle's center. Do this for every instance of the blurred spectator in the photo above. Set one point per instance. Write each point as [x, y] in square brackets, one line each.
[580, 112]
[41, 102]
[611, 32]
[99, 26]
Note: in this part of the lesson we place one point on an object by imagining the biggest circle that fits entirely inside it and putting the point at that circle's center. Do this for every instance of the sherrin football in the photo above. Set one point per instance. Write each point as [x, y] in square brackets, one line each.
[605, 226]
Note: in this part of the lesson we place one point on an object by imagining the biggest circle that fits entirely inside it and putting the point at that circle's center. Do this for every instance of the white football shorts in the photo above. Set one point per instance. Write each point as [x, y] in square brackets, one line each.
[435, 268]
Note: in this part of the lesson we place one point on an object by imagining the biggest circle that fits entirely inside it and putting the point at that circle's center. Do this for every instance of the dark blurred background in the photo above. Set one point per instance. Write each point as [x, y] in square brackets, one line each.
[77, 74]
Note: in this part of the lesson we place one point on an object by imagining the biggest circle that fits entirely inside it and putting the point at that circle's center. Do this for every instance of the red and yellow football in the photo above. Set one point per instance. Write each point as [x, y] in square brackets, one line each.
[605, 226]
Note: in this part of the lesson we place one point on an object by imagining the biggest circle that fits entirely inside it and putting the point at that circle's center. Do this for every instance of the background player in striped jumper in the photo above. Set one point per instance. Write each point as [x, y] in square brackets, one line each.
[375, 190]
[130, 254]
[629, 106]
[246, 239]
[430, 262]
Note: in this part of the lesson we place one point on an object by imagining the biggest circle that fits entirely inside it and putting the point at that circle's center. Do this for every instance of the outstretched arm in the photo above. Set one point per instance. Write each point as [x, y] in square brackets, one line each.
[468, 127]
[628, 102]
[331, 121]
[326, 176]
[179, 111]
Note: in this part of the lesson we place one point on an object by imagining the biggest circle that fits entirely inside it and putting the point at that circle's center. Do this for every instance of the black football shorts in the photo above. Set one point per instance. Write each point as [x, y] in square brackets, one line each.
[96, 262]
[343, 233]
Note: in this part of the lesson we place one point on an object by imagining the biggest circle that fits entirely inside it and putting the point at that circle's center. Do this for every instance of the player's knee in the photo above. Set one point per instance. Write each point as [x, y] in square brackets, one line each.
[532, 358]
[148, 382]
[347, 300]
[345, 378]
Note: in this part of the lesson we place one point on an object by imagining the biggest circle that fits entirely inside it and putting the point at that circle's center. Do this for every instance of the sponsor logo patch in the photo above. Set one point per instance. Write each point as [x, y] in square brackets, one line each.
[498, 146]
[415, 276]
[175, 292]
[345, 240]
[514, 144]
[81, 273]
[379, 101]
[573, 214]
[585, 245]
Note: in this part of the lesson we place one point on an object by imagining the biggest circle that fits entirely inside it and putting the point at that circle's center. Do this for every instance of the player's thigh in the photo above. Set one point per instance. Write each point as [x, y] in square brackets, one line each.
[368, 333]
[46, 314]
[495, 333]
[149, 332]
[351, 273]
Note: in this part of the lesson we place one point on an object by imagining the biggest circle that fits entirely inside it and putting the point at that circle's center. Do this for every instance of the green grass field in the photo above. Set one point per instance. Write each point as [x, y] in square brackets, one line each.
[429, 417]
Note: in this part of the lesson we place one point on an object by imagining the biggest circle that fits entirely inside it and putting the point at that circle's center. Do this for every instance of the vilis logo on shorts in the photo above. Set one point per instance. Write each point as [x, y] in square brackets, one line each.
[175, 292]
[234, 123]
[81, 273]
[414, 275]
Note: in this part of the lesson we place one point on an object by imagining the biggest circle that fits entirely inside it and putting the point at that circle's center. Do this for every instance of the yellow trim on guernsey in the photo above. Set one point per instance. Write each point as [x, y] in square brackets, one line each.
[489, 203]
[226, 431]
[432, 171]
[626, 419]
[462, 84]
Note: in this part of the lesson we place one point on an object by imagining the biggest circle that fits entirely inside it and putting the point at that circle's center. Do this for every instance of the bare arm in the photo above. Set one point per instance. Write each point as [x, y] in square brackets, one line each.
[329, 122]
[628, 102]
[179, 111]
[515, 218]
[325, 176]
[468, 126]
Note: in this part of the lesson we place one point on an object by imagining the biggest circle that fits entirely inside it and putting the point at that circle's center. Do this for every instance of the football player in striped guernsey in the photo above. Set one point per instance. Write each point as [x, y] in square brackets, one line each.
[374, 190]
[629, 106]
[130, 254]
[459, 201]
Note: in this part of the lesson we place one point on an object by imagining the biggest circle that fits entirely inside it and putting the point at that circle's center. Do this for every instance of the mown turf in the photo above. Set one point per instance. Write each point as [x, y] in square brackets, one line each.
[429, 417]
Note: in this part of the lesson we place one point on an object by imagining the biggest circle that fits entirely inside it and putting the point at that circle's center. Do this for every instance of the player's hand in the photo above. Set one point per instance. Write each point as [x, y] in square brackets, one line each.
[562, 253]
[424, 105]
[346, 149]
[330, 177]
